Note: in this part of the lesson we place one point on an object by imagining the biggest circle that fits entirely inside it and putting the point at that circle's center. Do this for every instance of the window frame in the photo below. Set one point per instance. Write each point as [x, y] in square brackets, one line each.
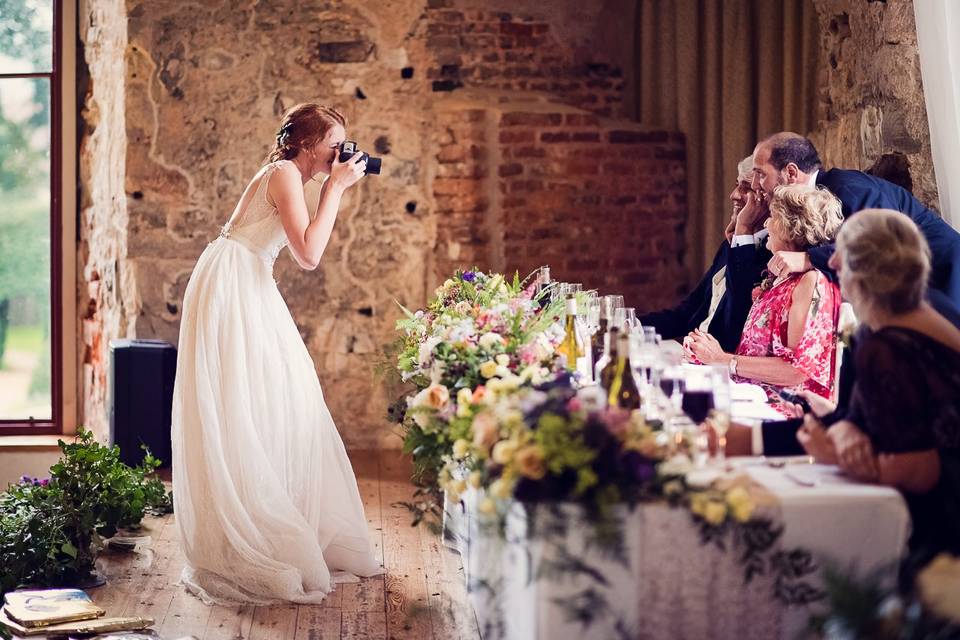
[63, 180]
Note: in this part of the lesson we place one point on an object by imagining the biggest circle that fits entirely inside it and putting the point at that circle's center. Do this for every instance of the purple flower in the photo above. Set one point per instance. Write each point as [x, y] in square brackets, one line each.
[45, 482]
[26, 479]
[469, 276]
[638, 467]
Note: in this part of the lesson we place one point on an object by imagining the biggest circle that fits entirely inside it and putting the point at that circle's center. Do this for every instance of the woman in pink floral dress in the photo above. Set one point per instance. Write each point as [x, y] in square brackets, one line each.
[789, 340]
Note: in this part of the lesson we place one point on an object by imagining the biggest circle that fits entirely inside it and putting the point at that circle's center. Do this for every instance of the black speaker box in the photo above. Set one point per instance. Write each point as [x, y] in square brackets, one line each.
[141, 398]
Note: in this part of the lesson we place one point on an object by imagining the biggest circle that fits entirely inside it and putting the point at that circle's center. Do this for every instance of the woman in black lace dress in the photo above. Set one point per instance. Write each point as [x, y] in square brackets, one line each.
[902, 428]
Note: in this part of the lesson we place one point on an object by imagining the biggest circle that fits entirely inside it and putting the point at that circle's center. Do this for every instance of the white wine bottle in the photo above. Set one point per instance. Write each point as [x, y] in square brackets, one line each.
[572, 346]
[617, 377]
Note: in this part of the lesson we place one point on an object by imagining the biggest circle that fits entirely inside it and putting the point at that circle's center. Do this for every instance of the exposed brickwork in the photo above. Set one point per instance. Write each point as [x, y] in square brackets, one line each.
[518, 187]
[503, 51]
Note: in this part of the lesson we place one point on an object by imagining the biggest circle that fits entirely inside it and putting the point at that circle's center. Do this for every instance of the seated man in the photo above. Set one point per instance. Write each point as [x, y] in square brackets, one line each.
[720, 302]
[789, 158]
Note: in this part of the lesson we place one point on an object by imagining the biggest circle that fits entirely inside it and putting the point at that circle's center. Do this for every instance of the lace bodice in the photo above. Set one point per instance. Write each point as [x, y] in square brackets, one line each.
[256, 224]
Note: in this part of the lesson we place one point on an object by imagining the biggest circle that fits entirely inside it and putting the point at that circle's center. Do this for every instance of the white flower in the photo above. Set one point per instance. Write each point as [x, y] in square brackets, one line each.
[490, 339]
[847, 320]
[436, 396]
[939, 585]
[488, 506]
[460, 449]
[592, 398]
[488, 369]
[503, 360]
[425, 353]
[678, 465]
[422, 419]
[501, 488]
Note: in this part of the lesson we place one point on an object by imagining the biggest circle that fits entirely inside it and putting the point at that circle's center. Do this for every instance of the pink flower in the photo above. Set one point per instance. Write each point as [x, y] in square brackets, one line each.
[574, 404]
[528, 354]
[756, 293]
[615, 419]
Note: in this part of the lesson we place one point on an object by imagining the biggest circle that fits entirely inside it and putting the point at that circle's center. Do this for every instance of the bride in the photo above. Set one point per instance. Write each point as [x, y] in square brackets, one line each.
[265, 499]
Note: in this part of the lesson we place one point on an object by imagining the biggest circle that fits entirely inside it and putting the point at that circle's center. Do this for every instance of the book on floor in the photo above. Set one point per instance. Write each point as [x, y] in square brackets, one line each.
[44, 607]
[99, 625]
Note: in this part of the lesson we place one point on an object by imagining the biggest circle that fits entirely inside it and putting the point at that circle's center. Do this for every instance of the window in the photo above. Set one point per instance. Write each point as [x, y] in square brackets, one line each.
[31, 216]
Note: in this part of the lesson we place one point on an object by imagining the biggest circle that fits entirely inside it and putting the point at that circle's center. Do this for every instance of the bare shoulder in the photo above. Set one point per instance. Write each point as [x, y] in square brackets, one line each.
[283, 177]
[808, 282]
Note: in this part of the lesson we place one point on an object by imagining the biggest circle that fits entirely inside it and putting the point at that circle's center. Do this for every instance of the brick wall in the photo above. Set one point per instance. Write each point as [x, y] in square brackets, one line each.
[502, 51]
[520, 184]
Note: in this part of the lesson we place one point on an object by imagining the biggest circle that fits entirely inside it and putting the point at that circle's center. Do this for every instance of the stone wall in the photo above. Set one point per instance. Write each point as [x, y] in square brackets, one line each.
[494, 155]
[106, 291]
[871, 94]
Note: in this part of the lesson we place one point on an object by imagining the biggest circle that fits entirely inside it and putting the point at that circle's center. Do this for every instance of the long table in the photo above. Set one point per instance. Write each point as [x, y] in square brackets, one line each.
[668, 584]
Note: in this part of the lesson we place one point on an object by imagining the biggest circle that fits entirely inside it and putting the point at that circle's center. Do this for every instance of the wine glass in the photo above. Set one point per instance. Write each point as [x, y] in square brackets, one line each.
[625, 318]
[697, 399]
[615, 302]
[644, 357]
[720, 414]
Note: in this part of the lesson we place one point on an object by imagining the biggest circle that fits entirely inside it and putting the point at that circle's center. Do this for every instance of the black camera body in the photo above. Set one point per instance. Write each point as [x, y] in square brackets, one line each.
[348, 148]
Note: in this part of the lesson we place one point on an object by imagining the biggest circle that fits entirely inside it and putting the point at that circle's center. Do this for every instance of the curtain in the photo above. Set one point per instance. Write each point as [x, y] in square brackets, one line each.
[938, 38]
[725, 73]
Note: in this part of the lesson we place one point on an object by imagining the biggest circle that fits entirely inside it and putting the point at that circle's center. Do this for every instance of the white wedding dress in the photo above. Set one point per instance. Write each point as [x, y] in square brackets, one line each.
[265, 498]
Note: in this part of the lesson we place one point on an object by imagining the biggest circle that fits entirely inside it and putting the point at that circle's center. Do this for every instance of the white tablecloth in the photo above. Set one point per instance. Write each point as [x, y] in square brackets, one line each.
[672, 585]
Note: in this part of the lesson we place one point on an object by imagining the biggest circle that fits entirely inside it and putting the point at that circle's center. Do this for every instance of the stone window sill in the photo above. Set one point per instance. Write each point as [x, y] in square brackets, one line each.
[21, 443]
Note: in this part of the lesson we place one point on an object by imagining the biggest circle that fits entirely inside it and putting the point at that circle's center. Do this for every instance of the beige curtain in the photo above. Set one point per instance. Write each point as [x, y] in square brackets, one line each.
[724, 72]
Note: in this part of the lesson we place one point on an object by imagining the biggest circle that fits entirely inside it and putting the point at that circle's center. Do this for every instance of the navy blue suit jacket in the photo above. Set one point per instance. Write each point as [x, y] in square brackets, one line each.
[744, 265]
[858, 191]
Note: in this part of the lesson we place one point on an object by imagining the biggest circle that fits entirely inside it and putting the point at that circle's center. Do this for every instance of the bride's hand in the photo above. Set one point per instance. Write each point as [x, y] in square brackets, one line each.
[346, 174]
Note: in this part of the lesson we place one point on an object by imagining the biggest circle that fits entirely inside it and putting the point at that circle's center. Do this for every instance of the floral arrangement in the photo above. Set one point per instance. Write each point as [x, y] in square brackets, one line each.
[869, 607]
[551, 442]
[480, 333]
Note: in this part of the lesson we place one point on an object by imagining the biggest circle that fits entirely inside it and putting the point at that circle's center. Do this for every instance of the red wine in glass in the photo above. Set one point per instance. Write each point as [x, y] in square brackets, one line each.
[697, 404]
[670, 384]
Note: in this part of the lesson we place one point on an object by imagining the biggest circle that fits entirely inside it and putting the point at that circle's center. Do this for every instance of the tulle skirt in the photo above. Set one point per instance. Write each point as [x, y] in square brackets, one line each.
[265, 499]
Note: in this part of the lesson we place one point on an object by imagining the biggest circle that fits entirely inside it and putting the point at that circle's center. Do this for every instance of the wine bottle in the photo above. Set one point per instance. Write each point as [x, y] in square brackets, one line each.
[543, 285]
[603, 370]
[598, 343]
[571, 348]
[622, 389]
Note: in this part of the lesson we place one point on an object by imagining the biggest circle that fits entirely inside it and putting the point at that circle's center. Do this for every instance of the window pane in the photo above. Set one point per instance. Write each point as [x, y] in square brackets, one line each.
[26, 36]
[25, 356]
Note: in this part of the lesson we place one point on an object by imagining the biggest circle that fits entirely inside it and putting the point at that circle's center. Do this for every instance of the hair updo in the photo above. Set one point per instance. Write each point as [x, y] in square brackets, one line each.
[885, 262]
[807, 216]
[303, 126]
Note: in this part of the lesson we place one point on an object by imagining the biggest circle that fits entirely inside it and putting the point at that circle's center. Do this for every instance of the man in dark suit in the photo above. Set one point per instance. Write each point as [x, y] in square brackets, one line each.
[721, 301]
[789, 158]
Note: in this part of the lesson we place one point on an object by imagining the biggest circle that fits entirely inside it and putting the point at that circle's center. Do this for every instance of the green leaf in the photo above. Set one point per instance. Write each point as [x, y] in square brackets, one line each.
[69, 549]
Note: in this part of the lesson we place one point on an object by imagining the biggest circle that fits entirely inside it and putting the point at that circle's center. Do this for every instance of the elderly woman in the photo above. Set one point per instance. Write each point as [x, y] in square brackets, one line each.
[902, 428]
[789, 339]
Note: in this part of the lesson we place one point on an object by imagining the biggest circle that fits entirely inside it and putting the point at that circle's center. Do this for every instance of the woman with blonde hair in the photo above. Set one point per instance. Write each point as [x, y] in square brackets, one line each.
[266, 500]
[789, 338]
[902, 427]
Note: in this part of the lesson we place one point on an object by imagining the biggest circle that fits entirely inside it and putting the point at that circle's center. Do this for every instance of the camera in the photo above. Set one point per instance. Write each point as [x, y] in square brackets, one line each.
[347, 150]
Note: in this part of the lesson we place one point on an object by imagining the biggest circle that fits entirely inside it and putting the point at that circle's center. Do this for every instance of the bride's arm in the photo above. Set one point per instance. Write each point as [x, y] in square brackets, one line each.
[308, 238]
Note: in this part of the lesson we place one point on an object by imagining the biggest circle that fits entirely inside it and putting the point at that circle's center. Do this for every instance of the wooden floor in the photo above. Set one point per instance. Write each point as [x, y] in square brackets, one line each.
[421, 595]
